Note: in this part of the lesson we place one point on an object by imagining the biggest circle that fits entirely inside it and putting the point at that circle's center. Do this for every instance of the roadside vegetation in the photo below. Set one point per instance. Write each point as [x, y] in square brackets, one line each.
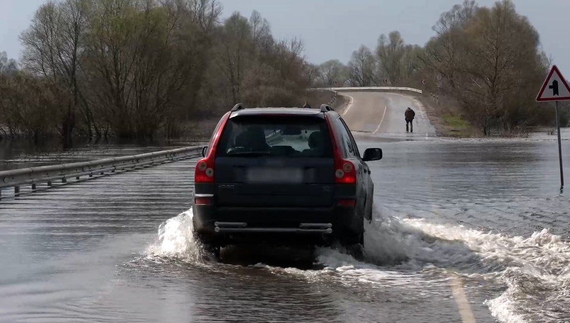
[142, 69]
[480, 72]
[149, 69]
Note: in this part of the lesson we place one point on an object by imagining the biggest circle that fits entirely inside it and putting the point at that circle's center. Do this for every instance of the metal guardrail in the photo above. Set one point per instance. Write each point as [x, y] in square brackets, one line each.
[49, 174]
[369, 88]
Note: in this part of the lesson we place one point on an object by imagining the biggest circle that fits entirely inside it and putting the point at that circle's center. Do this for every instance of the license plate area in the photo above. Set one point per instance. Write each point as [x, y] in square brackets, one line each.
[280, 175]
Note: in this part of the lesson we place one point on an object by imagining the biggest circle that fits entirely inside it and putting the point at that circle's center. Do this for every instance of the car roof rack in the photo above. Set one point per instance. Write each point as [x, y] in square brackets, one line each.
[237, 107]
[326, 108]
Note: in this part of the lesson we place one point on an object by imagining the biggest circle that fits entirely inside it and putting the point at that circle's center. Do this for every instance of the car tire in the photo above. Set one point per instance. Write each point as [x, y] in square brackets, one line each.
[211, 251]
[353, 241]
[369, 207]
[356, 251]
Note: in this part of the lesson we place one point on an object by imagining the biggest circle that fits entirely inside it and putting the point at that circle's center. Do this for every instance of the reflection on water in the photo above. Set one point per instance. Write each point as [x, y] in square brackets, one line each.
[506, 185]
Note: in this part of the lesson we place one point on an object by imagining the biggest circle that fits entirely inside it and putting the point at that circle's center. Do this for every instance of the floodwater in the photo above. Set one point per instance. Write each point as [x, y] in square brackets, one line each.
[463, 231]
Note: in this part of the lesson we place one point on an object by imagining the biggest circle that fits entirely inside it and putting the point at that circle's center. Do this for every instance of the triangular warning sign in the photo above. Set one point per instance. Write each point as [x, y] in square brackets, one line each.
[555, 88]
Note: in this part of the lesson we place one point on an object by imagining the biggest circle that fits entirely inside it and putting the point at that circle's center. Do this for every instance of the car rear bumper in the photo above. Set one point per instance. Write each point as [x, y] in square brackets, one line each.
[276, 226]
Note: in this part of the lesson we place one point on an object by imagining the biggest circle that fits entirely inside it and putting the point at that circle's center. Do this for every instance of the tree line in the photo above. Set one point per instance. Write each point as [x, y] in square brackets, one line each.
[142, 68]
[488, 59]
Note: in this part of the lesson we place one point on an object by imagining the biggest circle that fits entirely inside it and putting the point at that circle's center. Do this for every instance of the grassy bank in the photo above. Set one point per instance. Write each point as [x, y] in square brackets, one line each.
[446, 116]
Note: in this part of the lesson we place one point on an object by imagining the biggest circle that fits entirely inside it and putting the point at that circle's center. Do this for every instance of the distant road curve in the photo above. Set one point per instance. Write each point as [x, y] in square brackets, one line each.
[370, 88]
[380, 111]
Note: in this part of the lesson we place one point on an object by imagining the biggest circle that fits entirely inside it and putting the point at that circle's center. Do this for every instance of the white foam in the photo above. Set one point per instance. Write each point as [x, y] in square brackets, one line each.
[534, 271]
[175, 239]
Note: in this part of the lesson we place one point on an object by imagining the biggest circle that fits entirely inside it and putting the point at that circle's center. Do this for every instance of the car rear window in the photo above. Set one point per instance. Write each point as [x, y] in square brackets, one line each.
[275, 136]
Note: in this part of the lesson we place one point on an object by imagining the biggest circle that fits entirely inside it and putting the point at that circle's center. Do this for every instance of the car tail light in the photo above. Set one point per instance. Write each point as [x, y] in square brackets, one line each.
[344, 170]
[205, 168]
[204, 171]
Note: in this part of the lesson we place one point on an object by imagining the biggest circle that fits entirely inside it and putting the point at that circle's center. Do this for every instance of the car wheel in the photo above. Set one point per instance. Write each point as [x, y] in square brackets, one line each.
[361, 235]
[353, 242]
[210, 251]
[214, 251]
[356, 251]
[368, 207]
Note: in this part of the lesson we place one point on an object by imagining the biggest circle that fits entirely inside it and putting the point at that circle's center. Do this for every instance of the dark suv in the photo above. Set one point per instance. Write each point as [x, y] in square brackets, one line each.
[282, 176]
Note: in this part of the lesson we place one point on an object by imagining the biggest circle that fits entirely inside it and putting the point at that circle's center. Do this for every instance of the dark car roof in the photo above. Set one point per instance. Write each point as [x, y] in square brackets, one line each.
[277, 111]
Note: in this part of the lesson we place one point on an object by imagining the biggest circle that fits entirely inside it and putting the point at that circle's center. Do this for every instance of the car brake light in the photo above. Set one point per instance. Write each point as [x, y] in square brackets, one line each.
[344, 172]
[204, 171]
[205, 168]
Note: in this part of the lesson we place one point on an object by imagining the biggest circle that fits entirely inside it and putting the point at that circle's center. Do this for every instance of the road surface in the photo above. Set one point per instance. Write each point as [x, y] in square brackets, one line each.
[382, 113]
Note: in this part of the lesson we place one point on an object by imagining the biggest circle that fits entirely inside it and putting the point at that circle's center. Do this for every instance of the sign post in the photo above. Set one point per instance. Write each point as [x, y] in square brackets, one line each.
[555, 88]
[559, 148]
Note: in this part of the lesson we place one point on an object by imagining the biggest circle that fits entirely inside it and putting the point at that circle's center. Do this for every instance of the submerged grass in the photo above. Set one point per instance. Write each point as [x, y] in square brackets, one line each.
[455, 121]
[447, 117]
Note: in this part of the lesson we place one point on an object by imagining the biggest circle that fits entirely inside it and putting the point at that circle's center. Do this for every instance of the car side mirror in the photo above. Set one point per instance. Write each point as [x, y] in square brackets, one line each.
[204, 151]
[371, 154]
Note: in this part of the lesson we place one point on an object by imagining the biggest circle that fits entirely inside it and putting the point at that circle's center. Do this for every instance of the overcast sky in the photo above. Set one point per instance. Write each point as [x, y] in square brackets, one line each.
[333, 29]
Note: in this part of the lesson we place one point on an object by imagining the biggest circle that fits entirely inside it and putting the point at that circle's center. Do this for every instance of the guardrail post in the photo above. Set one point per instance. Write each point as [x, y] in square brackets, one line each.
[49, 183]
[16, 190]
[33, 186]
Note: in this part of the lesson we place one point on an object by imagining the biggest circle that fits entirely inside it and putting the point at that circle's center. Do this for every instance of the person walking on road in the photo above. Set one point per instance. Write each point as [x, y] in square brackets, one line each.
[409, 115]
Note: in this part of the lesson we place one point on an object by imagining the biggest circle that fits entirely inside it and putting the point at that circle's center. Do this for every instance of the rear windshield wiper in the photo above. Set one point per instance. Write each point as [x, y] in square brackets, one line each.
[249, 153]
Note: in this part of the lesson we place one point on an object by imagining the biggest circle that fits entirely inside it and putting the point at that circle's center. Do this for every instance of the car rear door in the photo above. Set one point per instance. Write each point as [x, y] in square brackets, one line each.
[287, 172]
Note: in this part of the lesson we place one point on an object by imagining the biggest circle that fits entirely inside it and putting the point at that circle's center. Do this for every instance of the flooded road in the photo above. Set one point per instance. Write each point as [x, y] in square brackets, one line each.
[463, 231]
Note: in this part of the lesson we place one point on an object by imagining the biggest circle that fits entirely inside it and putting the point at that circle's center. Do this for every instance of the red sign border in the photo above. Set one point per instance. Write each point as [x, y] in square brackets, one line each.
[553, 70]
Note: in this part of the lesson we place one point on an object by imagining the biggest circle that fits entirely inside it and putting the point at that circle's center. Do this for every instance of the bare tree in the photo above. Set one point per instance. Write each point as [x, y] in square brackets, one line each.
[142, 56]
[7, 66]
[133, 68]
[362, 67]
[32, 106]
[234, 48]
[260, 32]
[391, 51]
[52, 48]
[501, 57]
[443, 54]
[332, 73]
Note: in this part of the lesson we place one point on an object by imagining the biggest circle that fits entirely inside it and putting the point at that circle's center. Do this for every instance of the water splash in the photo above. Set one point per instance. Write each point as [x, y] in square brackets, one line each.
[176, 240]
[529, 276]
